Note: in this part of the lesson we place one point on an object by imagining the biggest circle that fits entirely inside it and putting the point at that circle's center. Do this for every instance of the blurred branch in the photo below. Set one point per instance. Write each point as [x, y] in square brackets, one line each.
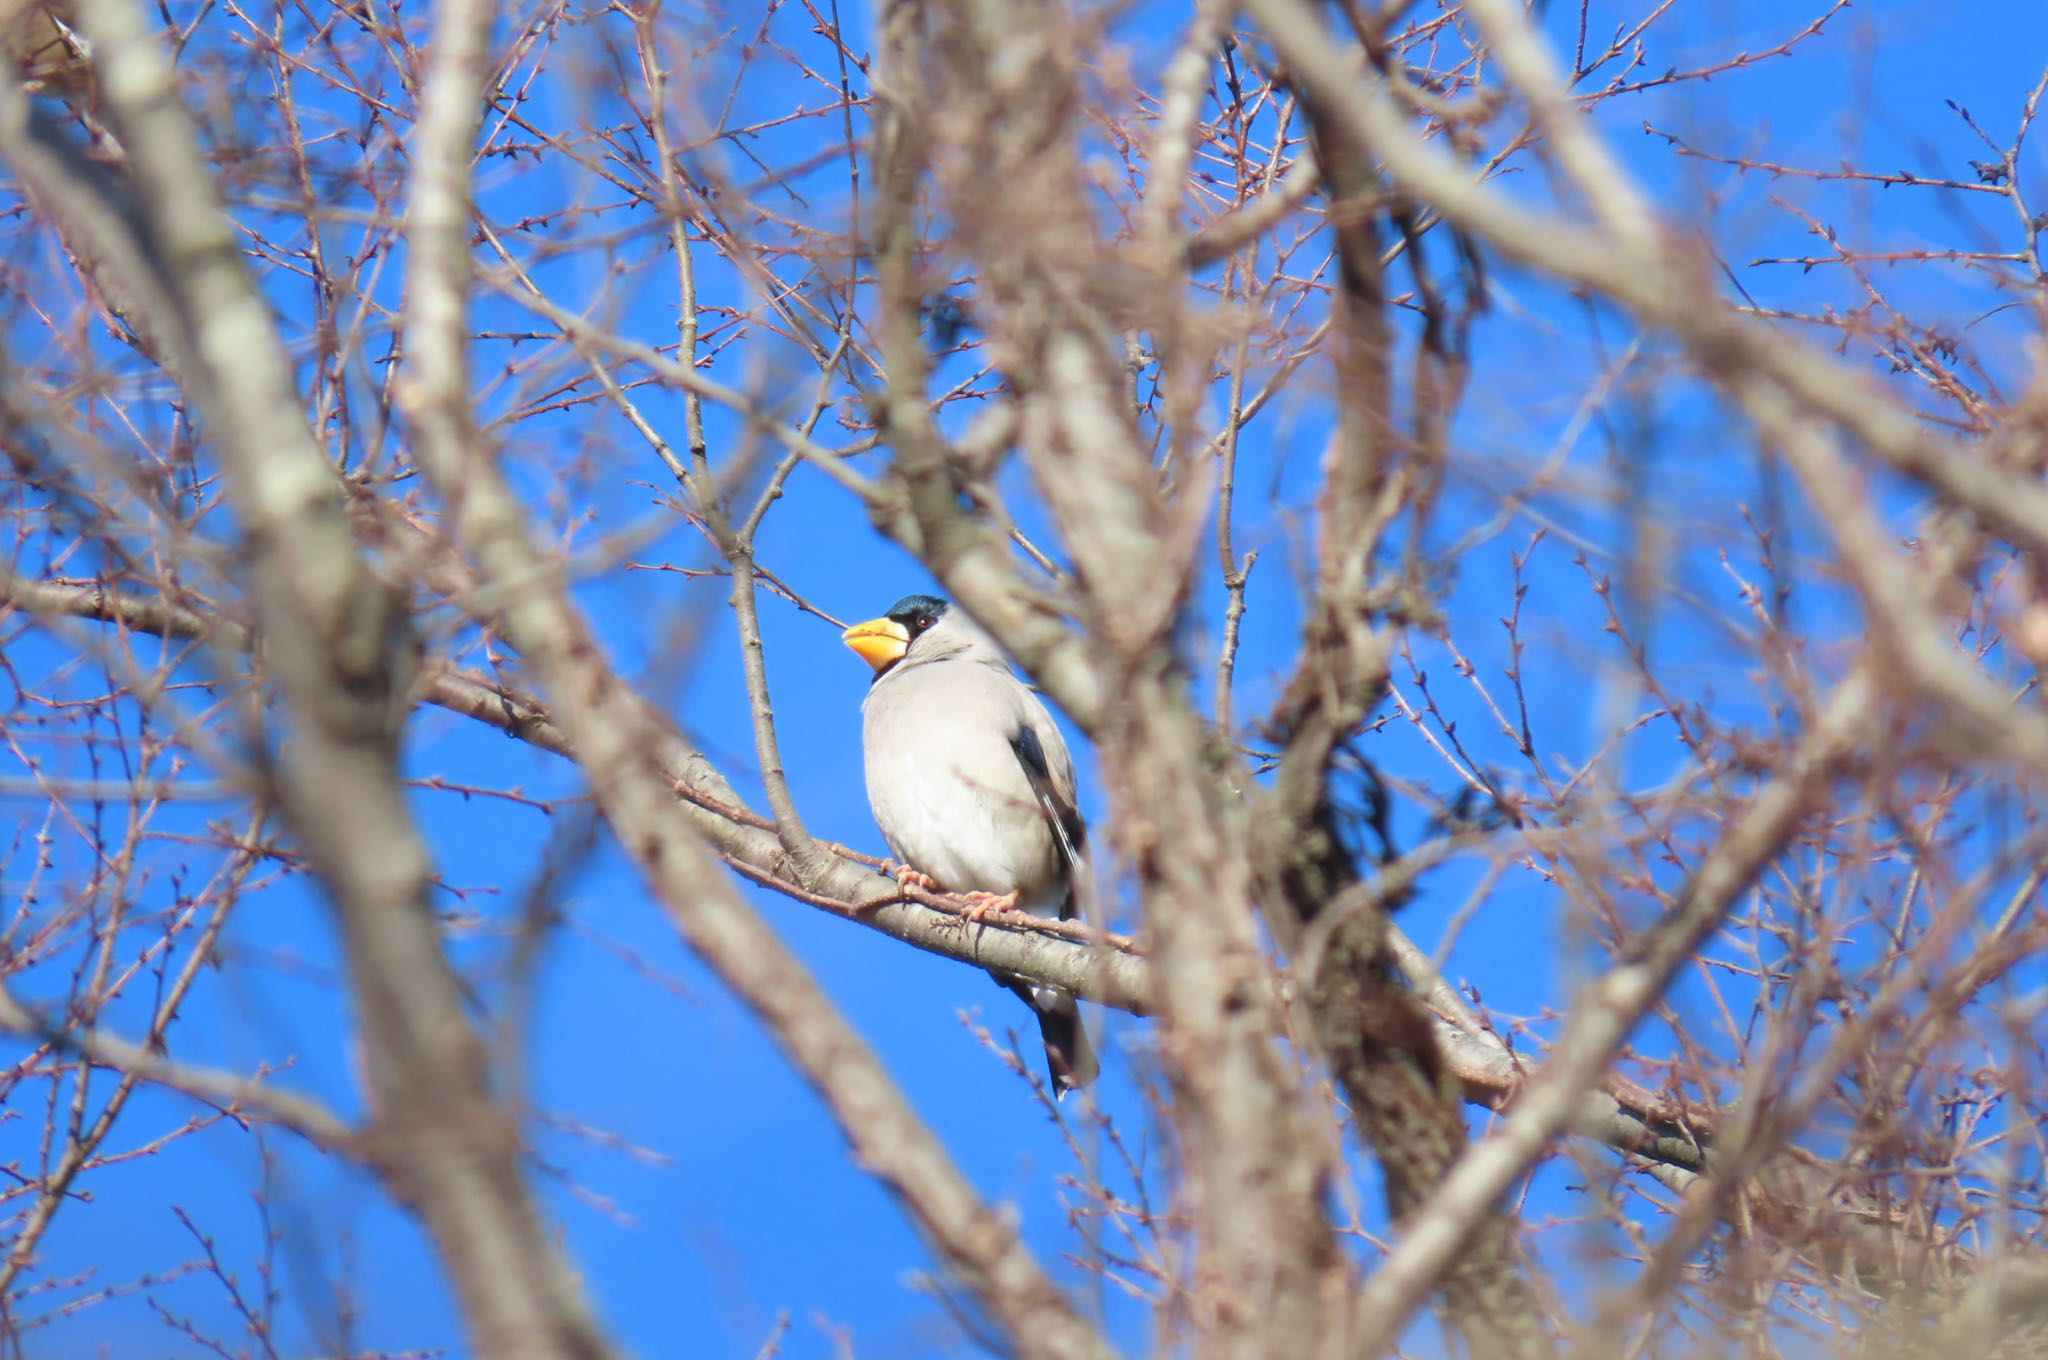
[1788, 390]
[1003, 82]
[301, 1114]
[919, 506]
[1636, 263]
[1653, 275]
[607, 728]
[1247, 224]
[335, 643]
[140, 1062]
[1380, 1042]
[1605, 1013]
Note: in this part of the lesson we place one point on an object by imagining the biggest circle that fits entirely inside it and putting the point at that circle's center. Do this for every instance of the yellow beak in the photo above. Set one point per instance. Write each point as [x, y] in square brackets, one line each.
[879, 642]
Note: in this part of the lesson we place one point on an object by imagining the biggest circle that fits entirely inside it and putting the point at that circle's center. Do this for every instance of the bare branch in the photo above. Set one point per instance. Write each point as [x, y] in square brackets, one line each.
[335, 646]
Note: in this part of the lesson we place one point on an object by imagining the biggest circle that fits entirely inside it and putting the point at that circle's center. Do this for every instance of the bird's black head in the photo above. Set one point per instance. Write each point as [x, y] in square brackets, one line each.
[917, 612]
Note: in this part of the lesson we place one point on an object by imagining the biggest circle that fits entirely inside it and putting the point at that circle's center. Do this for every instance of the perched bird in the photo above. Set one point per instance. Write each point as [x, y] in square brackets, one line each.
[972, 786]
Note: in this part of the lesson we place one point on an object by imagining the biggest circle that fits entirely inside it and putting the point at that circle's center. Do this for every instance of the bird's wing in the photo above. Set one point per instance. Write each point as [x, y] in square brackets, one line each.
[1058, 803]
[1052, 783]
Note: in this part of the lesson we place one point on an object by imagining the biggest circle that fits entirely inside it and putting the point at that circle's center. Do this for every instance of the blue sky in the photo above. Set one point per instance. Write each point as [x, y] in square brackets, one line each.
[742, 1205]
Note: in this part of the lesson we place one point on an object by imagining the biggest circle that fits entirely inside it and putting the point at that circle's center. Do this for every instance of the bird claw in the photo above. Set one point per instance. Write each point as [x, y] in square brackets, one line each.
[907, 877]
[982, 905]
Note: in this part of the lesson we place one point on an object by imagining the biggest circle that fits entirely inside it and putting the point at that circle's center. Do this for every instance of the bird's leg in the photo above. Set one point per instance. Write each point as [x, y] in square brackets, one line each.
[981, 904]
[907, 877]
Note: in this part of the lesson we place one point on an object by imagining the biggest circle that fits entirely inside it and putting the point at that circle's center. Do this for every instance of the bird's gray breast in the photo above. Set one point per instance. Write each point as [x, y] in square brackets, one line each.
[946, 787]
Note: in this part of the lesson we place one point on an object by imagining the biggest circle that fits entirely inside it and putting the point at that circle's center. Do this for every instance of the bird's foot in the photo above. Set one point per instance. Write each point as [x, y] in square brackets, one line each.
[907, 877]
[981, 905]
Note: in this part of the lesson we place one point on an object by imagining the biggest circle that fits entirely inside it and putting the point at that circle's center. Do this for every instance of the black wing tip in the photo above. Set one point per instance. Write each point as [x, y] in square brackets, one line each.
[1024, 741]
[1065, 816]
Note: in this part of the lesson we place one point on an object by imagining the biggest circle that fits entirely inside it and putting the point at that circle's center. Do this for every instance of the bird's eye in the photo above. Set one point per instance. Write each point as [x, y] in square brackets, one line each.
[925, 621]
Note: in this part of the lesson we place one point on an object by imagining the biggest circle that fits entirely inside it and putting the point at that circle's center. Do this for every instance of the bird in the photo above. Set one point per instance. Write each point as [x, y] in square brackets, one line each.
[972, 786]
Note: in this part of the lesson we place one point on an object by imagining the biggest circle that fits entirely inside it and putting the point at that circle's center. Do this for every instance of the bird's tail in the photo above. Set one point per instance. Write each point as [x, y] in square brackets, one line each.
[1069, 1056]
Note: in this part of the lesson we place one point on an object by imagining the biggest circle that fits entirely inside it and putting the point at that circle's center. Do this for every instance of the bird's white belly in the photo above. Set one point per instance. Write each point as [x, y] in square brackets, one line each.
[969, 834]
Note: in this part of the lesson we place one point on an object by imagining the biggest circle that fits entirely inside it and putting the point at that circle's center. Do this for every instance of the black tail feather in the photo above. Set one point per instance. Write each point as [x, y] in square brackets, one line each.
[1069, 1056]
